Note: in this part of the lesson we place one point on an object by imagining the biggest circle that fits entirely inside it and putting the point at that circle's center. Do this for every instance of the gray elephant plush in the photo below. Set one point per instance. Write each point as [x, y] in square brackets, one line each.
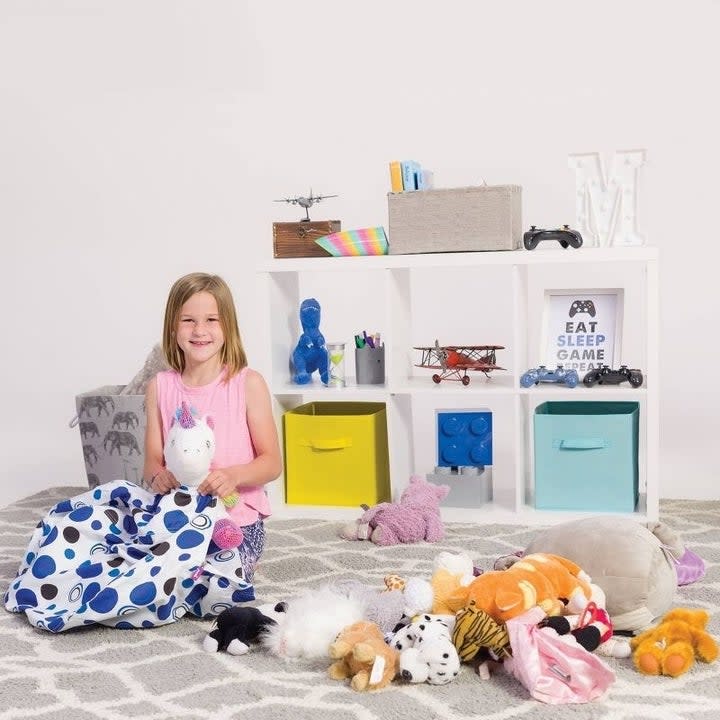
[634, 564]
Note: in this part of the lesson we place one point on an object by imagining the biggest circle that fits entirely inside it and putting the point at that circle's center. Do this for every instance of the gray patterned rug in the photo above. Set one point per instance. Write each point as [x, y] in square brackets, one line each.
[164, 674]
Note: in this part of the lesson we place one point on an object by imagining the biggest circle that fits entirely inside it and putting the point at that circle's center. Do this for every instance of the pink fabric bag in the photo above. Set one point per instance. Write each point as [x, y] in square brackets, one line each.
[554, 668]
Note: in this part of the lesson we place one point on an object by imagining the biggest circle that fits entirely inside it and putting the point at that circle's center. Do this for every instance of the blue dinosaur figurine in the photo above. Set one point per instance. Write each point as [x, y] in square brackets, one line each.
[310, 353]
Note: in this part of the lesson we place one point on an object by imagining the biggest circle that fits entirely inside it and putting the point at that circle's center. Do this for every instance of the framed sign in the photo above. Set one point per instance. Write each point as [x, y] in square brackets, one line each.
[582, 329]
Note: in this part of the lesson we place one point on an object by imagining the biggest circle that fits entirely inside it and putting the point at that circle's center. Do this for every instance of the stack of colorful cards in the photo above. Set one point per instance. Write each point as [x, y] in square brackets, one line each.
[366, 241]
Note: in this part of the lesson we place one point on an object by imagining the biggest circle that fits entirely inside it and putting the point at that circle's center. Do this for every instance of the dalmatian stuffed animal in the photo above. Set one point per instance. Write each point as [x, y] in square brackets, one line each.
[427, 653]
[435, 662]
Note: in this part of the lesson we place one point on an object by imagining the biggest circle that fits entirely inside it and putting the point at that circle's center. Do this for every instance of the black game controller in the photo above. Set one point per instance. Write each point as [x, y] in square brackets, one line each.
[564, 235]
[605, 375]
[582, 306]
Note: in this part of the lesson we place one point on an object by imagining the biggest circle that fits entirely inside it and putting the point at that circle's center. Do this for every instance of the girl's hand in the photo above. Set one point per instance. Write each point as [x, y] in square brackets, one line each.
[164, 481]
[217, 483]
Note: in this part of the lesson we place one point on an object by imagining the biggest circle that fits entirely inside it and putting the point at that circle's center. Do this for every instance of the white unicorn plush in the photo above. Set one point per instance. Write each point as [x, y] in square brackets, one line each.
[189, 447]
[189, 450]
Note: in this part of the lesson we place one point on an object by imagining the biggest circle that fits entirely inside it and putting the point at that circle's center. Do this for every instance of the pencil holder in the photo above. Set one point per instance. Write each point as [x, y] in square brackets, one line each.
[370, 365]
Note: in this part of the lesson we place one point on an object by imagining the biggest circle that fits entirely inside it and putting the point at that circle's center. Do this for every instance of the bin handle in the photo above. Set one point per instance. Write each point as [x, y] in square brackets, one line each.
[74, 422]
[581, 444]
[334, 444]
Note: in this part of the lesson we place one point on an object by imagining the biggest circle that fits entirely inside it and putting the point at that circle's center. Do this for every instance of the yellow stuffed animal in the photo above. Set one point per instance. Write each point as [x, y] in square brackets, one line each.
[361, 654]
[671, 647]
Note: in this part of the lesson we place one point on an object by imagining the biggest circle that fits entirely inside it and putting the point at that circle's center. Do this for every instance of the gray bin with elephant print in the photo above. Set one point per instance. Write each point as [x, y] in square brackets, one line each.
[112, 432]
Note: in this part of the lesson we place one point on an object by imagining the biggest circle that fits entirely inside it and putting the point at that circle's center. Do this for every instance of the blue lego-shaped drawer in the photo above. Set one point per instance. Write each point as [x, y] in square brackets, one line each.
[464, 438]
[586, 456]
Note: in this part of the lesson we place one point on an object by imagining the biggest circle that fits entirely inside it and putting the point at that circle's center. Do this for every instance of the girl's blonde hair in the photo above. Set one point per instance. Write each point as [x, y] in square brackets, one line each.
[232, 353]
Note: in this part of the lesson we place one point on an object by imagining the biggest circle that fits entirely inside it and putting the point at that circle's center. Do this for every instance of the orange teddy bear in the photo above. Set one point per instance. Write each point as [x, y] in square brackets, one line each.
[549, 581]
[361, 654]
[671, 647]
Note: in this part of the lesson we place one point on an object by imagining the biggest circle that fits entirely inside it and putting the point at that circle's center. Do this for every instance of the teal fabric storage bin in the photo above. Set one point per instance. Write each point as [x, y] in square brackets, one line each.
[586, 456]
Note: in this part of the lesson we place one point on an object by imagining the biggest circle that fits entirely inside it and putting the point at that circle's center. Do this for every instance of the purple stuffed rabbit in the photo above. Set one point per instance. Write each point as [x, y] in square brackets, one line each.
[415, 518]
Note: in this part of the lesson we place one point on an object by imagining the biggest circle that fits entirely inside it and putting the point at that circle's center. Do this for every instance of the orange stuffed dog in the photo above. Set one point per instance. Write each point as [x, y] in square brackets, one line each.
[571, 583]
[538, 579]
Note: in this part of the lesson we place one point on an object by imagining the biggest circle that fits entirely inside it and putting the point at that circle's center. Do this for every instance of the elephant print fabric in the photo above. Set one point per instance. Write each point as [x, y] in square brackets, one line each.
[121, 556]
[112, 433]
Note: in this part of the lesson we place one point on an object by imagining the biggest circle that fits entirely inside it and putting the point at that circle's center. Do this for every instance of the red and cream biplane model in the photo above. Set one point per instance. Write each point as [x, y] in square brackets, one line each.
[454, 361]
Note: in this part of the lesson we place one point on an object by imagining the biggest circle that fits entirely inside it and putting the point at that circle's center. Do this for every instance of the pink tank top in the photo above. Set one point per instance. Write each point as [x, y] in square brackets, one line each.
[225, 403]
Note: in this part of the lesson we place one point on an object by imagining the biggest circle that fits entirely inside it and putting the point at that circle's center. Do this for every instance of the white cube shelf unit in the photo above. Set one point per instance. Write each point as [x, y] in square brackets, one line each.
[462, 298]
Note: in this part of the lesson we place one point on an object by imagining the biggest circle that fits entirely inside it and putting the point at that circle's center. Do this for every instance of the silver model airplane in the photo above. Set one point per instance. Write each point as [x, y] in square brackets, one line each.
[306, 202]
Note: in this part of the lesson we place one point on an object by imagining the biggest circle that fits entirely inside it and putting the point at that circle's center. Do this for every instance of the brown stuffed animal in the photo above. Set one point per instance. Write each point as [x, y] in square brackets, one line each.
[672, 646]
[361, 654]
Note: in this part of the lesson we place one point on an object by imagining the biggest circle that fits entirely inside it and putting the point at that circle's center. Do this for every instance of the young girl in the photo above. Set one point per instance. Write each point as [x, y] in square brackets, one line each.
[209, 372]
[123, 556]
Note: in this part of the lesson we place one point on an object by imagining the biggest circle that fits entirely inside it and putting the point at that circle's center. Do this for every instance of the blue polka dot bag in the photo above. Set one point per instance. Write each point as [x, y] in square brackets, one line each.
[124, 557]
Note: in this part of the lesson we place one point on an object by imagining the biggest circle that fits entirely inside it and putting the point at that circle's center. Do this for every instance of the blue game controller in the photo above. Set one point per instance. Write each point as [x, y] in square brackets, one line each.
[543, 374]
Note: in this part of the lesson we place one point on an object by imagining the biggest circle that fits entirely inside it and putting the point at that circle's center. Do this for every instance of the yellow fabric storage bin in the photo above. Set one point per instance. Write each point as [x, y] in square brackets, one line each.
[336, 453]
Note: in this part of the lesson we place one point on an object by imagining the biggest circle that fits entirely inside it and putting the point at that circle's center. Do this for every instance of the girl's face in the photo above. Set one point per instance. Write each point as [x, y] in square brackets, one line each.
[199, 333]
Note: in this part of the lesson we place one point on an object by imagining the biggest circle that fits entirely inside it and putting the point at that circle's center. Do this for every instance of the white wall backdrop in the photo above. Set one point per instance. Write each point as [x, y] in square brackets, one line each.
[143, 139]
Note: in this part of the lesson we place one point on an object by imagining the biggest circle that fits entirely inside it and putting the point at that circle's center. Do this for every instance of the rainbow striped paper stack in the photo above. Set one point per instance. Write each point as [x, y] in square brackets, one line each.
[366, 241]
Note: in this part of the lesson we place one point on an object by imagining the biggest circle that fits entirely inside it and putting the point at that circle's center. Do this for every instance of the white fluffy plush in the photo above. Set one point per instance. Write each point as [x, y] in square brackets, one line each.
[312, 621]
[418, 596]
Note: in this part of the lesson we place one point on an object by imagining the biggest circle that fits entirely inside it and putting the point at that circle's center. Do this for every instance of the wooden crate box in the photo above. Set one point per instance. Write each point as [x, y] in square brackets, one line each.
[297, 239]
